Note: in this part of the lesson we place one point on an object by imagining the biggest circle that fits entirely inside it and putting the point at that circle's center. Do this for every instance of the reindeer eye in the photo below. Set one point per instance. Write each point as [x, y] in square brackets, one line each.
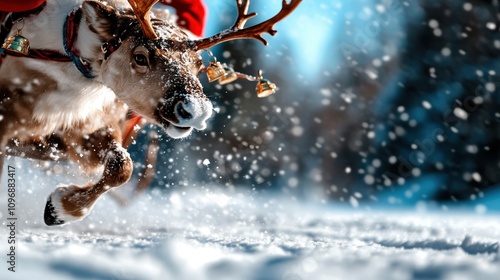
[140, 59]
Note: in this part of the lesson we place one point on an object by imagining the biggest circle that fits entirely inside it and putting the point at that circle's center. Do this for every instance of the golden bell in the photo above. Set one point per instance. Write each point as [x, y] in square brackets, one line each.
[17, 44]
[264, 87]
[215, 71]
[229, 76]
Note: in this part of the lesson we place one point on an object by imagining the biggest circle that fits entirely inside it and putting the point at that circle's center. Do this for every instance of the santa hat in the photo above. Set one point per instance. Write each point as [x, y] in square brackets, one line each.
[19, 6]
[191, 14]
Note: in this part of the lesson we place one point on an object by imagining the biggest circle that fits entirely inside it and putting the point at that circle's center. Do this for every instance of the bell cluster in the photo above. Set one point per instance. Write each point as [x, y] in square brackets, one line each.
[217, 71]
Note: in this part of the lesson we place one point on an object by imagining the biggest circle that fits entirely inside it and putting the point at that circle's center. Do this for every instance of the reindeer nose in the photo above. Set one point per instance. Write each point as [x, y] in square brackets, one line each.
[181, 112]
[193, 112]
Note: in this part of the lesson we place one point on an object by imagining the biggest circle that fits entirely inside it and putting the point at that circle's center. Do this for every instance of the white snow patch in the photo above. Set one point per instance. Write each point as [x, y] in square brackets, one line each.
[212, 234]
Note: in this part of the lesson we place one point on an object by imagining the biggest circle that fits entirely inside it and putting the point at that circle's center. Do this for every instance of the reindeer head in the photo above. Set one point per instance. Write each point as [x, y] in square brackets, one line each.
[153, 66]
[156, 77]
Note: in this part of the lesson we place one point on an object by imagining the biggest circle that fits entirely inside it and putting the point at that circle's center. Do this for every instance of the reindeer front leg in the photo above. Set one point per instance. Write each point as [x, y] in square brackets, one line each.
[67, 204]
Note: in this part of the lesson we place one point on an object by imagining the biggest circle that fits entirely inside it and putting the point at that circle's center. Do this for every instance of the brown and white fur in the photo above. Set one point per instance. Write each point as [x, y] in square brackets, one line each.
[38, 98]
[81, 149]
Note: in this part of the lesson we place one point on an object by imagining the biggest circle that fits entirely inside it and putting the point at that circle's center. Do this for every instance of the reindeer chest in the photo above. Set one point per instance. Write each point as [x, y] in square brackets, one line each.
[53, 96]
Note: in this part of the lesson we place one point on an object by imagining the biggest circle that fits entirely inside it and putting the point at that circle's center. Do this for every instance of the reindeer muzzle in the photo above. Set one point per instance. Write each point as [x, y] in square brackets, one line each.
[184, 112]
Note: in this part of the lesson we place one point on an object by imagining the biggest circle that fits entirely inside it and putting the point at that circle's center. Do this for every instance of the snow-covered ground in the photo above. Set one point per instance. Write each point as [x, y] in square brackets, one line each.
[214, 234]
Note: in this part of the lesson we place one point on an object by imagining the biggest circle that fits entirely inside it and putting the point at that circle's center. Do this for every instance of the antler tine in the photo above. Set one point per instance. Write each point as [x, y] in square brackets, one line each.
[237, 31]
[141, 10]
[243, 17]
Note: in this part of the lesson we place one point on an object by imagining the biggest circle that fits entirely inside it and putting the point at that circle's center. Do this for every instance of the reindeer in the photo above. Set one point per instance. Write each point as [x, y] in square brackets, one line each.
[120, 62]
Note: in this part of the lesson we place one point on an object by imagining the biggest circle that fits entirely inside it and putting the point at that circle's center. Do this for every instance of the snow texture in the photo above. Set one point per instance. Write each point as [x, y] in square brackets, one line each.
[210, 234]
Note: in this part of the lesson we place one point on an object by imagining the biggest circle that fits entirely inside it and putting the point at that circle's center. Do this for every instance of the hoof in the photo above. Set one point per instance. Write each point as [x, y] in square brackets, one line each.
[50, 216]
[63, 206]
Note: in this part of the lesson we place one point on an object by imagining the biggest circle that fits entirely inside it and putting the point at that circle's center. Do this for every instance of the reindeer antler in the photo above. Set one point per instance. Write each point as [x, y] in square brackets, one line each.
[237, 31]
[141, 9]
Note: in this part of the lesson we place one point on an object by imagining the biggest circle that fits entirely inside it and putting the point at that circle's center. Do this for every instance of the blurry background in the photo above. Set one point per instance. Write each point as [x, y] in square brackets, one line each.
[381, 101]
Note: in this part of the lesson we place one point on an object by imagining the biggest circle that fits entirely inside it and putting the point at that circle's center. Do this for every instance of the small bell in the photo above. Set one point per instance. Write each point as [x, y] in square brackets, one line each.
[215, 71]
[264, 87]
[229, 76]
[17, 44]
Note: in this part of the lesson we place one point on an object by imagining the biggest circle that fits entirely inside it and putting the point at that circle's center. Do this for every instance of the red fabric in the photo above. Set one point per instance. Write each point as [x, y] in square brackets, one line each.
[129, 126]
[19, 5]
[191, 14]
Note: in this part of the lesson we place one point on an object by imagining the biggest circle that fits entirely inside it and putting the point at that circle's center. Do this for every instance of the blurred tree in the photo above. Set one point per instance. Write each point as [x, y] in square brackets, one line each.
[442, 117]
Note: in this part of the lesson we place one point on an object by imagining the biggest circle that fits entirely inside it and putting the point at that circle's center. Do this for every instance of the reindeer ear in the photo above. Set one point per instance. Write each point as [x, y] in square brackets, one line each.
[102, 19]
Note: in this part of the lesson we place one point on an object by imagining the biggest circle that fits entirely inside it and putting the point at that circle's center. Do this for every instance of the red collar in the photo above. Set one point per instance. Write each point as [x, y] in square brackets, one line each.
[70, 35]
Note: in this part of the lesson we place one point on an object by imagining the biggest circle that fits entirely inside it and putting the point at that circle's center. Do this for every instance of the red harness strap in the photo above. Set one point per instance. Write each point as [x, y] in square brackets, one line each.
[45, 55]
